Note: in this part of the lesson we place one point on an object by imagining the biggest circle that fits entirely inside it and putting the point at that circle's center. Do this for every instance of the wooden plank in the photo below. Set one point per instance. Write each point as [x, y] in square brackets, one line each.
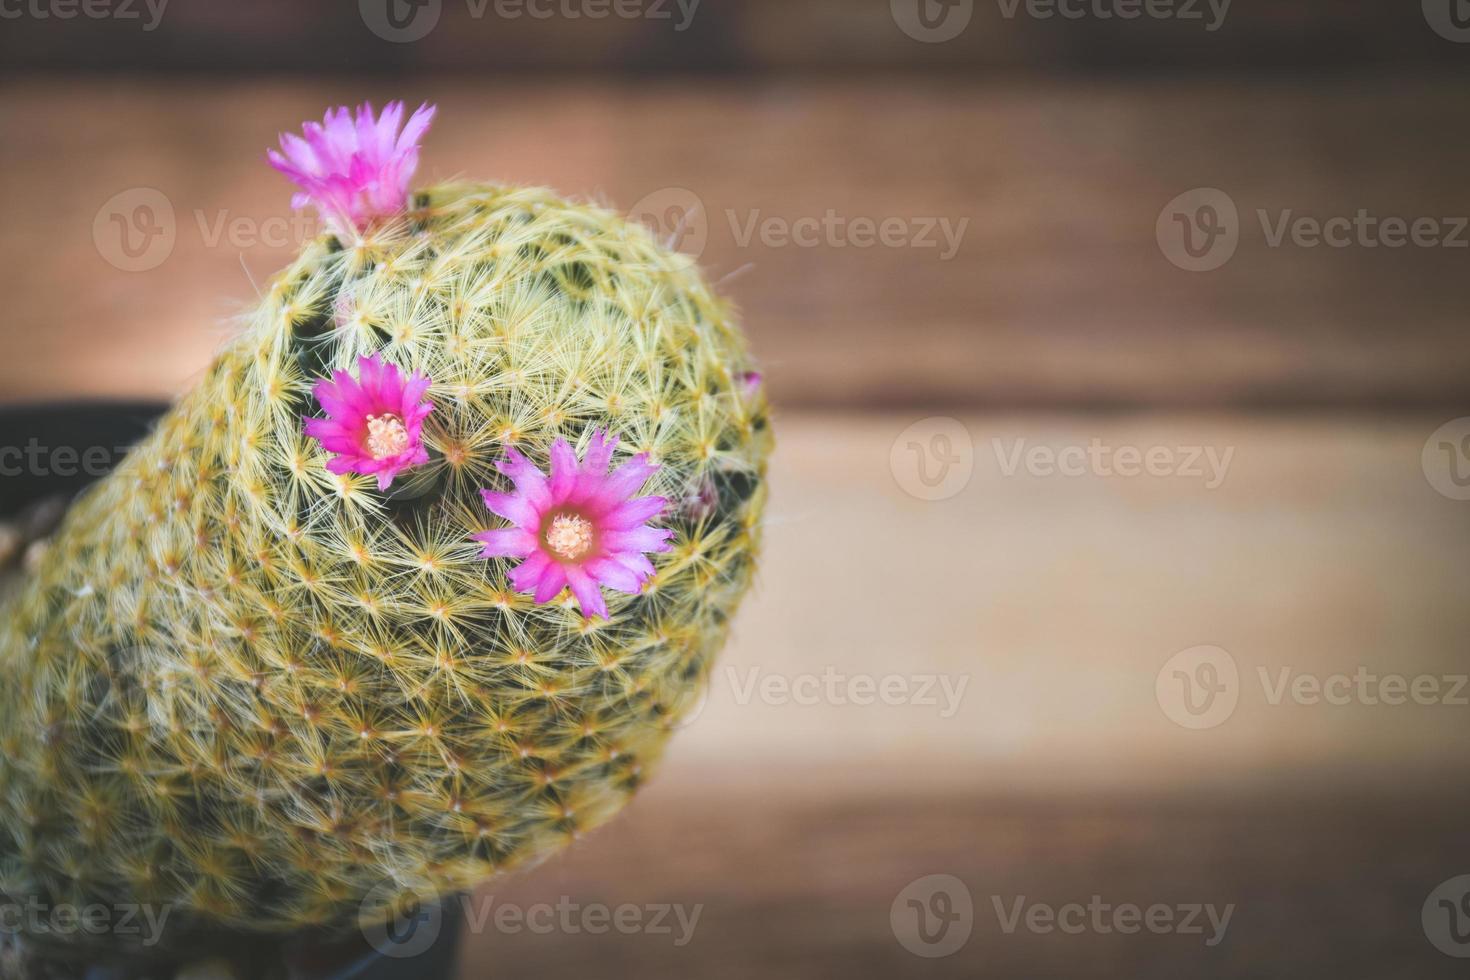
[795, 825]
[1058, 293]
[1049, 604]
[787, 887]
[792, 825]
[503, 37]
[1020, 625]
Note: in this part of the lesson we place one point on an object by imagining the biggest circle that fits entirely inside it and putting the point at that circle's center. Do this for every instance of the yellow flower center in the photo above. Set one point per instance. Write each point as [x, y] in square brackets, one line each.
[569, 536]
[386, 436]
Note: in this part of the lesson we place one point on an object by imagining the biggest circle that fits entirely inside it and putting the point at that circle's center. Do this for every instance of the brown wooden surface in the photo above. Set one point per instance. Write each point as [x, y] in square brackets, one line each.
[796, 825]
[1059, 294]
[731, 36]
[794, 888]
[1059, 778]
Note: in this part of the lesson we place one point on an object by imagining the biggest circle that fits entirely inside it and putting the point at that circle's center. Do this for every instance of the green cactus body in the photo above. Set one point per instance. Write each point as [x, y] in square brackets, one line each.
[254, 691]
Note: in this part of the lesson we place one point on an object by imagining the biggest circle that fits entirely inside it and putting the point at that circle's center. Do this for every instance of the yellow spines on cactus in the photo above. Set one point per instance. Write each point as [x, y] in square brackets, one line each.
[254, 691]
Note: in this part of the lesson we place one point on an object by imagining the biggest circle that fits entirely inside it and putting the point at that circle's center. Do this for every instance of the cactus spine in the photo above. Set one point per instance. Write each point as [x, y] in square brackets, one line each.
[254, 691]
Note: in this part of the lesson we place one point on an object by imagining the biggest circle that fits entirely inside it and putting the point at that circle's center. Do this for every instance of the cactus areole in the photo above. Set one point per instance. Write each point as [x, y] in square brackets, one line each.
[411, 589]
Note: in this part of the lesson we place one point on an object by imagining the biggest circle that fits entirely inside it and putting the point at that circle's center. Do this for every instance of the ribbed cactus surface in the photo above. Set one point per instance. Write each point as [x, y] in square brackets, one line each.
[253, 691]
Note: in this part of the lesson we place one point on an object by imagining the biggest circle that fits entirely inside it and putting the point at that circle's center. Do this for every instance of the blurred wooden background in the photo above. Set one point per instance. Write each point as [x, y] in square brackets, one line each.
[1058, 320]
[749, 37]
[1057, 293]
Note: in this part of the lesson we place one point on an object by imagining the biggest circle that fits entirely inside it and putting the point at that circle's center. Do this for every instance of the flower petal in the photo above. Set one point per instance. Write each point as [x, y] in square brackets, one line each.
[511, 542]
[638, 539]
[630, 514]
[589, 596]
[525, 576]
[325, 429]
[635, 562]
[618, 522]
[354, 169]
[563, 471]
[629, 478]
[350, 402]
[371, 378]
[599, 453]
[530, 482]
[553, 580]
[418, 125]
[514, 508]
[615, 575]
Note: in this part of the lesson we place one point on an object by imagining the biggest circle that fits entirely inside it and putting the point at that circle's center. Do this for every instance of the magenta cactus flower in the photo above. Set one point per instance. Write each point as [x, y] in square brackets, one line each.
[354, 171]
[375, 421]
[582, 527]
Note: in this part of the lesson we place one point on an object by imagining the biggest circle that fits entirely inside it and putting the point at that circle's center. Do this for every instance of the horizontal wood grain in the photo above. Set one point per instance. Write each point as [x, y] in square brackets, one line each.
[501, 37]
[1026, 618]
[1057, 293]
[792, 826]
[788, 888]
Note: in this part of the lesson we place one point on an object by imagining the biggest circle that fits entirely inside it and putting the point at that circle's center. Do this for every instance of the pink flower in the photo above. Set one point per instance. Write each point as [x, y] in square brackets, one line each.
[375, 422]
[354, 172]
[581, 527]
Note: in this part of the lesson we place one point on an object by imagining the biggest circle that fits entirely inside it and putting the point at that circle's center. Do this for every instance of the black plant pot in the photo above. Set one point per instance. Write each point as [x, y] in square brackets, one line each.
[50, 452]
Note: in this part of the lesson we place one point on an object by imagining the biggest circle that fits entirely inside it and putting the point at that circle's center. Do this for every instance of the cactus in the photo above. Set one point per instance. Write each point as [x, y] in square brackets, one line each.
[255, 691]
